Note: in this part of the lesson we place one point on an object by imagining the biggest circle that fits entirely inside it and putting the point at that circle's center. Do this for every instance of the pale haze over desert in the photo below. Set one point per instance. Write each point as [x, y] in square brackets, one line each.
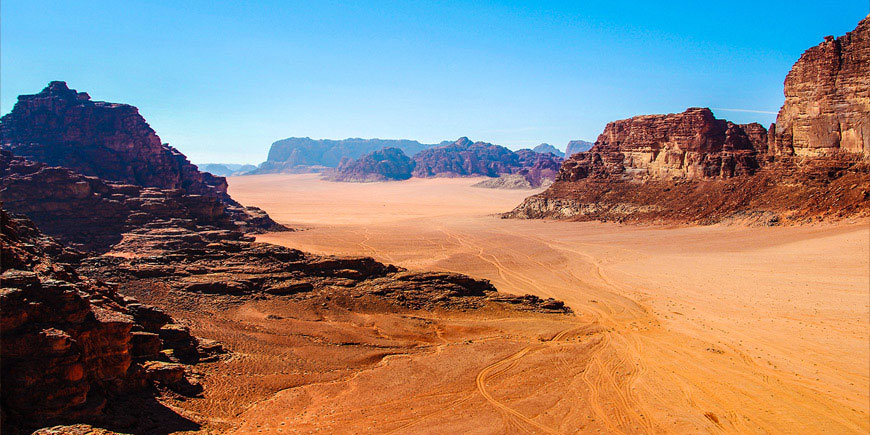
[493, 217]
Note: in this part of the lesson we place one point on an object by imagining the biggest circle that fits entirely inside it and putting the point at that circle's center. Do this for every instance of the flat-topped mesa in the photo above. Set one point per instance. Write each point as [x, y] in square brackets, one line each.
[827, 98]
[693, 144]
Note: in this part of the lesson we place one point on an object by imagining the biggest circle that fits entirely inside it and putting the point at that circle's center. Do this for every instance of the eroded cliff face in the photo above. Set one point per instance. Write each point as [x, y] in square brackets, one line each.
[827, 98]
[112, 143]
[693, 168]
[71, 344]
[62, 127]
[690, 145]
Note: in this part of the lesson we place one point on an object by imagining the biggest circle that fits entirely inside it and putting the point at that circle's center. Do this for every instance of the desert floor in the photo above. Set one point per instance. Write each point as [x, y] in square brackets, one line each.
[680, 329]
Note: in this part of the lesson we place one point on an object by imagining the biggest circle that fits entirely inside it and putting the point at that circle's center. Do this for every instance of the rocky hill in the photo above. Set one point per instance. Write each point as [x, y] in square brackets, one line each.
[381, 165]
[577, 146]
[226, 169]
[302, 154]
[692, 167]
[100, 144]
[547, 148]
[827, 98]
[466, 158]
[76, 350]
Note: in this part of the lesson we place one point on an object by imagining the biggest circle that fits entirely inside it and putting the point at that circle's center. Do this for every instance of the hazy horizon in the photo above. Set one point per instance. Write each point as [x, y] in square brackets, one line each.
[221, 81]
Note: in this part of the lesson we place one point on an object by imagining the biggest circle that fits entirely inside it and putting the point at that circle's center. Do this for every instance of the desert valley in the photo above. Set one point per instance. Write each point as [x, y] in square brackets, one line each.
[680, 274]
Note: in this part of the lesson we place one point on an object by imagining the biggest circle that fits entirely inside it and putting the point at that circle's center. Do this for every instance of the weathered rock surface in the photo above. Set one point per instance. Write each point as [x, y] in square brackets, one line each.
[92, 214]
[692, 145]
[691, 167]
[547, 148]
[303, 154]
[112, 142]
[382, 165]
[245, 269]
[68, 343]
[466, 158]
[827, 98]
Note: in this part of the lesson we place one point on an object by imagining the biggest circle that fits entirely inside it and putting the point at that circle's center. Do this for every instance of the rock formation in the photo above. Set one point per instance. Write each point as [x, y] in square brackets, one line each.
[76, 349]
[827, 98]
[92, 214]
[690, 167]
[302, 154]
[112, 142]
[381, 165]
[547, 148]
[71, 344]
[577, 146]
[466, 158]
[693, 144]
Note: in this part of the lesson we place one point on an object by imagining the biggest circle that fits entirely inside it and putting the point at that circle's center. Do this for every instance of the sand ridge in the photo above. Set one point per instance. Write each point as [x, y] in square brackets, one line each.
[684, 329]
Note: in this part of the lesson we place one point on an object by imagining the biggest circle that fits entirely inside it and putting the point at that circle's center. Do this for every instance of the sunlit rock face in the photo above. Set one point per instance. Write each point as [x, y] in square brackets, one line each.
[827, 98]
[691, 144]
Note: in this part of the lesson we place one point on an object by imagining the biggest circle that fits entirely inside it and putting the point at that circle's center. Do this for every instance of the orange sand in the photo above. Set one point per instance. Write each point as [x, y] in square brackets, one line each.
[686, 330]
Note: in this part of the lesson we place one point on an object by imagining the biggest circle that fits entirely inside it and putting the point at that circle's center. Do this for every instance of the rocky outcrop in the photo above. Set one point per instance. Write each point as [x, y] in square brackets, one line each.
[91, 214]
[577, 146]
[689, 145]
[245, 269]
[383, 165]
[547, 148]
[691, 167]
[465, 158]
[300, 154]
[71, 344]
[112, 142]
[827, 98]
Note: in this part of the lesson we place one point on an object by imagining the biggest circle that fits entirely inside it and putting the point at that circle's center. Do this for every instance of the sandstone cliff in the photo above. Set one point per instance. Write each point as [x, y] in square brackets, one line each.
[691, 167]
[827, 98]
[381, 165]
[302, 154]
[466, 158]
[71, 345]
[112, 142]
[692, 144]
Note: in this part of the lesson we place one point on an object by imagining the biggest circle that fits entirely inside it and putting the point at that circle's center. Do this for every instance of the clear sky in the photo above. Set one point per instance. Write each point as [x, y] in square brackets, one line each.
[222, 80]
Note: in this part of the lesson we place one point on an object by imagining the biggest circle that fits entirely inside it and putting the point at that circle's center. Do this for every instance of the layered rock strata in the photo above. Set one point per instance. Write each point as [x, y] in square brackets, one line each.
[112, 142]
[70, 344]
[827, 98]
[690, 167]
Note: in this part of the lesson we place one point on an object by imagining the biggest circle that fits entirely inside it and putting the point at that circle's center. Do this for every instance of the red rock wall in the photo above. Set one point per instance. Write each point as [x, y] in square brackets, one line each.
[827, 98]
[693, 144]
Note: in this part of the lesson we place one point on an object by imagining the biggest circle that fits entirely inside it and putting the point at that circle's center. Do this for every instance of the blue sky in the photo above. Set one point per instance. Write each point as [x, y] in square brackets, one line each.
[222, 80]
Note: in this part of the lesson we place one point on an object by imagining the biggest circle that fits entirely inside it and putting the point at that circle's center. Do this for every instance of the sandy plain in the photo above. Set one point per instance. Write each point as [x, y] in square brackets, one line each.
[677, 329]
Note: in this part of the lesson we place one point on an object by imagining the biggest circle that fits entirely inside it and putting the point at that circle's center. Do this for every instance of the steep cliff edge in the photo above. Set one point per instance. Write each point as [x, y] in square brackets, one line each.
[72, 345]
[112, 142]
[827, 98]
[693, 168]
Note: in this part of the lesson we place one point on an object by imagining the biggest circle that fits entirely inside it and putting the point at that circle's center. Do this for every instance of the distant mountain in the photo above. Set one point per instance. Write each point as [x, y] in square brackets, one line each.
[577, 146]
[547, 148]
[225, 169]
[381, 165]
[467, 158]
[297, 154]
